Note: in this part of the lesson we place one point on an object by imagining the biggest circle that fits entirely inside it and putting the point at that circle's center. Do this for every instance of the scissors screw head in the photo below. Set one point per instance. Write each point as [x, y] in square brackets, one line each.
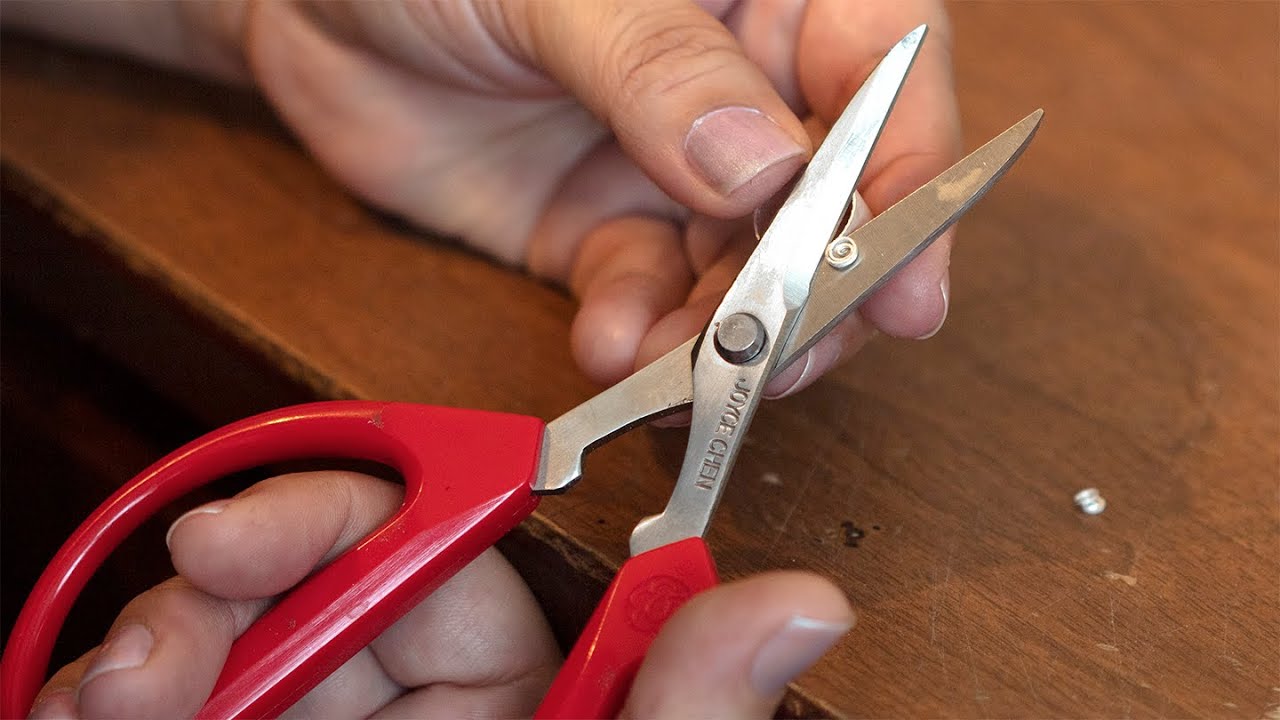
[739, 338]
[842, 253]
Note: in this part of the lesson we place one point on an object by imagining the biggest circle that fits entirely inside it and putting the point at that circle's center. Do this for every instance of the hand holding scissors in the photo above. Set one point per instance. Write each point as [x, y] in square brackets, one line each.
[471, 476]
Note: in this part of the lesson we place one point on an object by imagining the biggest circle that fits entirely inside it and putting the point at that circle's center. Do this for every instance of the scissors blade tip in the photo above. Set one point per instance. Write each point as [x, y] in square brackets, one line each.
[1025, 129]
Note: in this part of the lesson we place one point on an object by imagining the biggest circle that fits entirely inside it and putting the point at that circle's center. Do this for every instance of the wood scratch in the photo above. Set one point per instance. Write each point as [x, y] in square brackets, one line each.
[1126, 579]
[1111, 601]
[951, 559]
[933, 625]
[795, 505]
[1031, 685]
[979, 695]
[1139, 549]
[937, 600]
[1051, 603]
[1233, 660]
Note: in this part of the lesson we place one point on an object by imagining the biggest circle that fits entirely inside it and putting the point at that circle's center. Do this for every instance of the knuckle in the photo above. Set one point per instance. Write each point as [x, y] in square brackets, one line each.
[172, 595]
[174, 599]
[661, 56]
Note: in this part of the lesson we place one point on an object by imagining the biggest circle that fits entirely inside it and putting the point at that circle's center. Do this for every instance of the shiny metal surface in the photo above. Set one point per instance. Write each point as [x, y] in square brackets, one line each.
[792, 298]
[893, 238]
[842, 253]
[1090, 501]
[773, 286]
[740, 338]
[660, 388]
[666, 385]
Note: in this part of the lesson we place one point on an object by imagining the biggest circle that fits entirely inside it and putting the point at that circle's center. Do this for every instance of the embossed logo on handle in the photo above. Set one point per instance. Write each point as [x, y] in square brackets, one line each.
[655, 600]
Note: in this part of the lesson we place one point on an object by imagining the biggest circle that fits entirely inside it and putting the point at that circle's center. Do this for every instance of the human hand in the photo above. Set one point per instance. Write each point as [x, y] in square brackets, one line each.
[477, 647]
[603, 145]
[606, 145]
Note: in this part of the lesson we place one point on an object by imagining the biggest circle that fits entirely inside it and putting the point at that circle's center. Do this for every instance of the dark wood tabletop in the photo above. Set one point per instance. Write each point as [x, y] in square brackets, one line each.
[1115, 323]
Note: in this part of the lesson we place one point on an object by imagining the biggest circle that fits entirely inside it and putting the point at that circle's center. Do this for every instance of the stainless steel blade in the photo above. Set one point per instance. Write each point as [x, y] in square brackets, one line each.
[744, 340]
[792, 245]
[893, 238]
[898, 234]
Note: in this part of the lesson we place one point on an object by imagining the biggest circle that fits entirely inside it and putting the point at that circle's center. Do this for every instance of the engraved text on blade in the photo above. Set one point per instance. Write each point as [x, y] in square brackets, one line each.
[713, 458]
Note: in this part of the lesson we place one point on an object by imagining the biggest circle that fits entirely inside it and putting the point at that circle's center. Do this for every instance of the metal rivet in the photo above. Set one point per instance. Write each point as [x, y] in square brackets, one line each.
[1090, 501]
[739, 338]
[842, 253]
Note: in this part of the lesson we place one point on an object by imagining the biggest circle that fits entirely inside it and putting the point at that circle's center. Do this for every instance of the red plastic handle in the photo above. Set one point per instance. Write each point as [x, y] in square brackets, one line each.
[468, 478]
[649, 588]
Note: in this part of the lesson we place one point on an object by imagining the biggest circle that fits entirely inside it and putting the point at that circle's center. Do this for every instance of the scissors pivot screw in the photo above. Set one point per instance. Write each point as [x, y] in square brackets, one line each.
[739, 338]
[842, 253]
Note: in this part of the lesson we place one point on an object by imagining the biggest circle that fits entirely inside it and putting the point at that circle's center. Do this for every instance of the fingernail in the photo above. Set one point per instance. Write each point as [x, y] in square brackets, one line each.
[58, 705]
[127, 648]
[792, 650]
[945, 286]
[805, 371]
[736, 148]
[212, 508]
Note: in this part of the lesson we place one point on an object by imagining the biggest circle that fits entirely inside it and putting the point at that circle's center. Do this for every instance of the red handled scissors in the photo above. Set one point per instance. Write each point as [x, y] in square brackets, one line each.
[810, 270]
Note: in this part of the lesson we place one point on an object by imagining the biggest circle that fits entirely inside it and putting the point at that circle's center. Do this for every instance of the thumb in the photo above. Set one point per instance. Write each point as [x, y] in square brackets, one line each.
[731, 651]
[674, 86]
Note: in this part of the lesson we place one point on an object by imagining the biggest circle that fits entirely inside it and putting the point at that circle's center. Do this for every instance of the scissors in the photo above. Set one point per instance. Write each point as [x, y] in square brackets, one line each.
[471, 476]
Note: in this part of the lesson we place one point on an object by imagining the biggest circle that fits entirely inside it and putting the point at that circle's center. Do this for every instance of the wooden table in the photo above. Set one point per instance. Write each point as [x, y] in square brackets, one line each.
[1115, 323]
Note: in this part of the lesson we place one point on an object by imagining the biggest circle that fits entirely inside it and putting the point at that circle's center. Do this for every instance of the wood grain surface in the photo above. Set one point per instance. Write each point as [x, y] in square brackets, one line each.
[1115, 322]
